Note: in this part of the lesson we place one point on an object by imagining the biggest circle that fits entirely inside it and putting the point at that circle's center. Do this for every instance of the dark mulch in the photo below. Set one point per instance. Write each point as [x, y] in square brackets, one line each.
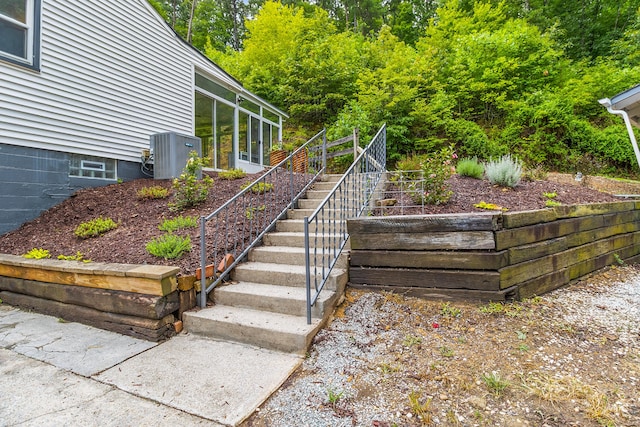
[139, 219]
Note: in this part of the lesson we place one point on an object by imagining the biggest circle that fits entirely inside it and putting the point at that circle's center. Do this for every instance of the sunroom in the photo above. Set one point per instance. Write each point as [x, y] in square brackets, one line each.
[236, 127]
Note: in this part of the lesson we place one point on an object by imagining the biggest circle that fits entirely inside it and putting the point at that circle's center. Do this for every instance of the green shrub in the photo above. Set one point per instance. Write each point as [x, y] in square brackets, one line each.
[95, 227]
[436, 169]
[470, 167]
[259, 188]
[506, 171]
[154, 192]
[232, 174]
[169, 246]
[178, 223]
[189, 190]
[37, 253]
[77, 257]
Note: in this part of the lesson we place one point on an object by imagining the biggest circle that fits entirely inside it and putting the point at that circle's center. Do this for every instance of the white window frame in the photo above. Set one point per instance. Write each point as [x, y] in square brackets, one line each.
[32, 59]
[91, 167]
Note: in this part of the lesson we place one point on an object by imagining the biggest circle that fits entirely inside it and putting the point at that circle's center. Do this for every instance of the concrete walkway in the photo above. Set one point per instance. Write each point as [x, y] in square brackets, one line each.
[54, 373]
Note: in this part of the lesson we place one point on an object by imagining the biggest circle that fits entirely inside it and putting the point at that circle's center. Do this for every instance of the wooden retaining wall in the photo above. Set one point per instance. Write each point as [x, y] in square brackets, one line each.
[491, 256]
[137, 300]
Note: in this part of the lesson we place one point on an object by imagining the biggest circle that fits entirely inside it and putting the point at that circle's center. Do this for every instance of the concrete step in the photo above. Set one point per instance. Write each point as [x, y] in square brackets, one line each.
[291, 255]
[274, 331]
[275, 299]
[331, 203]
[301, 213]
[296, 239]
[283, 275]
[297, 225]
[317, 194]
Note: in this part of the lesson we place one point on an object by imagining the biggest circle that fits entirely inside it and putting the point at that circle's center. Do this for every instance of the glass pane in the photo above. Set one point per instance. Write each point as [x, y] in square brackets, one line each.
[215, 88]
[13, 39]
[204, 125]
[266, 142]
[15, 9]
[243, 135]
[248, 105]
[271, 116]
[224, 136]
[255, 140]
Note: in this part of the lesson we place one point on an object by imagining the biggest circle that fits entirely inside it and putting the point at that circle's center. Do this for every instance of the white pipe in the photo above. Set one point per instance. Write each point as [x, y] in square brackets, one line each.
[607, 103]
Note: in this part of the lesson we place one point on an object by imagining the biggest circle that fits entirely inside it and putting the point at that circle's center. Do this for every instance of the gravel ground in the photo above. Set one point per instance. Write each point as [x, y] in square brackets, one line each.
[568, 358]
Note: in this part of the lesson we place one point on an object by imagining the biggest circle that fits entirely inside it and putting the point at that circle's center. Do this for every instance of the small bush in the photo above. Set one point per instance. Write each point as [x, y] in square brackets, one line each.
[189, 190]
[37, 253]
[505, 172]
[232, 174]
[470, 167]
[259, 188]
[178, 223]
[169, 246]
[95, 227]
[154, 192]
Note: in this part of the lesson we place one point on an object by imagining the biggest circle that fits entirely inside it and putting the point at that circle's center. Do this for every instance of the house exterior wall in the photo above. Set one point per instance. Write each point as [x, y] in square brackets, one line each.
[111, 74]
[34, 180]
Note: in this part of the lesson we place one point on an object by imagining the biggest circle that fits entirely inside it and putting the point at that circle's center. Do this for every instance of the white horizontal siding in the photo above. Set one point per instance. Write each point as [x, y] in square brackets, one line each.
[111, 75]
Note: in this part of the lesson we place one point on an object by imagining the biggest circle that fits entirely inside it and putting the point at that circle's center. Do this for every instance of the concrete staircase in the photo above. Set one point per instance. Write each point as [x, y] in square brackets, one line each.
[265, 305]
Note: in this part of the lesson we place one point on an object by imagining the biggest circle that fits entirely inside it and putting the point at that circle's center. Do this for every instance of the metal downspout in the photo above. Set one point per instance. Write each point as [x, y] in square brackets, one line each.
[607, 103]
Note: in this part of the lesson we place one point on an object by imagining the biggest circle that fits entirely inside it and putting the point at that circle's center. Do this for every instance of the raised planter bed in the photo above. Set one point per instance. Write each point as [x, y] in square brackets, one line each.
[491, 256]
[137, 300]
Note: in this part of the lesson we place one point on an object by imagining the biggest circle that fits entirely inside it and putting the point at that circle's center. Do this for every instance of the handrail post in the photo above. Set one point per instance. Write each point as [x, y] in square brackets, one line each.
[324, 151]
[203, 264]
[308, 268]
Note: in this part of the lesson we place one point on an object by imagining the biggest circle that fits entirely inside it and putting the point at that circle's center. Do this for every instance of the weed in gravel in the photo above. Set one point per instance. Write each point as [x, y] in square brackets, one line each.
[448, 311]
[411, 340]
[446, 351]
[422, 410]
[521, 335]
[523, 348]
[495, 383]
[333, 396]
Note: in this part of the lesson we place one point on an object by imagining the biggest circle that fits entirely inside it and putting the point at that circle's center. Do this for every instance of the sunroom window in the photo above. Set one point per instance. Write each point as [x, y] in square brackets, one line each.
[20, 32]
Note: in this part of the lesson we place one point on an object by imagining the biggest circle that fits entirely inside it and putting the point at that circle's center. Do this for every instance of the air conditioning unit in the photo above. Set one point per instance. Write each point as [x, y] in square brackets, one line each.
[170, 152]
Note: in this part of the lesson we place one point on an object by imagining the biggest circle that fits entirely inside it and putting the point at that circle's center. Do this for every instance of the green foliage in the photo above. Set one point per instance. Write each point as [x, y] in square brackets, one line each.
[495, 383]
[470, 167]
[178, 223]
[95, 227]
[488, 77]
[169, 246]
[189, 190]
[334, 396]
[506, 171]
[436, 169]
[449, 311]
[153, 192]
[259, 188]
[37, 253]
[77, 257]
[489, 206]
[250, 213]
[231, 174]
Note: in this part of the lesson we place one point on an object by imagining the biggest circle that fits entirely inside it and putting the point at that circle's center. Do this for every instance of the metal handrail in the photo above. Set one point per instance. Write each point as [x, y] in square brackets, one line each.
[240, 223]
[349, 198]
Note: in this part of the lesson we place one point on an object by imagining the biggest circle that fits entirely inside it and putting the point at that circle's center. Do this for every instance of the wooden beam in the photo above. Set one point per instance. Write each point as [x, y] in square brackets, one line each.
[424, 223]
[444, 294]
[153, 330]
[119, 302]
[422, 278]
[477, 240]
[462, 260]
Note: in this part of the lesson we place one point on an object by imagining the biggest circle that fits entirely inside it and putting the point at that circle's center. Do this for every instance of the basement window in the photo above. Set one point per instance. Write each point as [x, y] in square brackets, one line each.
[92, 167]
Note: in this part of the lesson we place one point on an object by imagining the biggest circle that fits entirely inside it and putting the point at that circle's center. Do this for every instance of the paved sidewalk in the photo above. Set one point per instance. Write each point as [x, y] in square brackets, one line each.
[55, 373]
